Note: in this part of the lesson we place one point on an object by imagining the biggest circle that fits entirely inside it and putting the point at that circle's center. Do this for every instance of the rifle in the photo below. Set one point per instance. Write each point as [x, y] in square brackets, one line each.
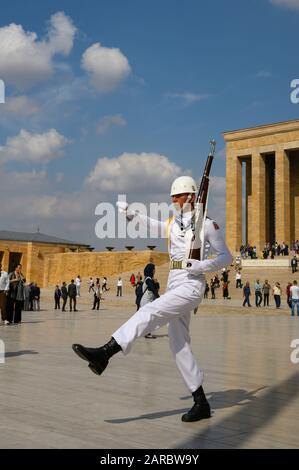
[201, 206]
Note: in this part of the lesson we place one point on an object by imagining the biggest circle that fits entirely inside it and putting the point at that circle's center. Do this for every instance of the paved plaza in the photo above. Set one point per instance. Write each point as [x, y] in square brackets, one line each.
[50, 399]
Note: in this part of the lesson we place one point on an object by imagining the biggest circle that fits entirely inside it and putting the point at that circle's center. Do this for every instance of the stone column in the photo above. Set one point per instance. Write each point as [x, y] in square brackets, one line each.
[233, 201]
[257, 213]
[5, 260]
[28, 270]
[282, 197]
[248, 197]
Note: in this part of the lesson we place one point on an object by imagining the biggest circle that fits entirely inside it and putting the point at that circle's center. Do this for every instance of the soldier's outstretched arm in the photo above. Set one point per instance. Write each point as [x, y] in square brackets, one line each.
[156, 228]
[223, 257]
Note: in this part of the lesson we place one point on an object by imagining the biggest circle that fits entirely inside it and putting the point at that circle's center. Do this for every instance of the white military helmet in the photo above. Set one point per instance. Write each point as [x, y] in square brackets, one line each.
[183, 184]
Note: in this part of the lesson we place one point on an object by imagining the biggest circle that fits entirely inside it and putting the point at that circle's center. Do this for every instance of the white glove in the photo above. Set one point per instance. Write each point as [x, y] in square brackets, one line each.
[194, 267]
[122, 206]
[123, 209]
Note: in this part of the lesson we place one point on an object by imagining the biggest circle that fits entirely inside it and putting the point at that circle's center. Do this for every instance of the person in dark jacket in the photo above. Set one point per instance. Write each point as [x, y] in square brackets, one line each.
[246, 294]
[97, 295]
[72, 293]
[138, 293]
[36, 297]
[57, 295]
[64, 295]
[150, 288]
[294, 264]
[31, 297]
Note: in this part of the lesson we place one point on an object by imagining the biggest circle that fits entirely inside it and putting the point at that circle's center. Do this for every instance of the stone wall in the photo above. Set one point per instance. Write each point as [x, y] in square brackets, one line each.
[66, 266]
[33, 256]
[254, 146]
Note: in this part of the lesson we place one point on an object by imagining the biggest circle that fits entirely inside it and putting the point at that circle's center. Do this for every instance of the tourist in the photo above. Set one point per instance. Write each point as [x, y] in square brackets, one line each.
[238, 263]
[225, 273]
[27, 290]
[119, 291]
[36, 298]
[238, 279]
[138, 293]
[294, 264]
[225, 290]
[277, 294]
[90, 285]
[212, 284]
[64, 295]
[72, 293]
[149, 289]
[258, 293]
[246, 294]
[132, 280]
[15, 296]
[289, 295]
[57, 296]
[97, 295]
[104, 285]
[206, 291]
[78, 285]
[216, 281]
[295, 298]
[4, 288]
[266, 291]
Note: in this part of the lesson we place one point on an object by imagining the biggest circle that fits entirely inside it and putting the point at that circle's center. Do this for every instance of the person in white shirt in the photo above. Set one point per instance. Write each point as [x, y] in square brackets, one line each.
[277, 294]
[238, 280]
[4, 287]
[90, 285]
[294, 290]
[105, 288]
[119, 292]
[185, 290]
[78, 285]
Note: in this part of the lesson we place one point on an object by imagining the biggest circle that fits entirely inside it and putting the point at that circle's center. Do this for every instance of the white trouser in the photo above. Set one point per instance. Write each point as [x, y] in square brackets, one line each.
[184, 293]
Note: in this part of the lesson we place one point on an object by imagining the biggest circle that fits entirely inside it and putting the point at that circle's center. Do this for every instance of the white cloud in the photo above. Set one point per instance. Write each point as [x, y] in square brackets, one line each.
[135, 173]
[37, 148]
[186, 98]
[20, 106]
[217, 185]
[264, 74]
[293, 4]
[61, 34]
[24, 60]
[221, 153]
[59, 177]
[27, 177]
[217, 199]
[107, 67]
[107, 121]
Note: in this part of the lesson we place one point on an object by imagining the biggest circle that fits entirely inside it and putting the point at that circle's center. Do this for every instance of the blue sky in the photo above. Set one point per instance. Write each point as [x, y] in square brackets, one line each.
[183, 73]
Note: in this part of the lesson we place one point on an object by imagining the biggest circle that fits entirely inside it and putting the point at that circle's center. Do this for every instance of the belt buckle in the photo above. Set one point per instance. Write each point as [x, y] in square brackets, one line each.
[177, 264]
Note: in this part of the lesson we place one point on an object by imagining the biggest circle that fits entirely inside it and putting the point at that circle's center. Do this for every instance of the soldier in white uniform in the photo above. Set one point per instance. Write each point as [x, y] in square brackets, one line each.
[185, 290]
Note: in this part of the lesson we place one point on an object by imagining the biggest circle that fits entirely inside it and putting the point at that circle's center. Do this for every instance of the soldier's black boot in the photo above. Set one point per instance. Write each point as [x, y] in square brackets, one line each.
[98, 358]
[200, 409]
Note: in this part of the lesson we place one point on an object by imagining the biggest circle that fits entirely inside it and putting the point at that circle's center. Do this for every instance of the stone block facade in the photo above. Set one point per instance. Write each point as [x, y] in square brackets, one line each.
[49, 264]
[271, 156]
